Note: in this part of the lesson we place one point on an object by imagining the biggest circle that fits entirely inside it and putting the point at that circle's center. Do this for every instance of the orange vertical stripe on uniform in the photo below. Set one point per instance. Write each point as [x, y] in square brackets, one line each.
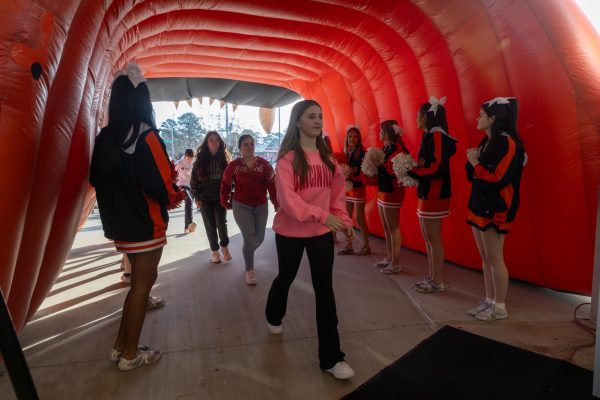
[160, 227]
[501, 168]
[507, 194]
[162, 162]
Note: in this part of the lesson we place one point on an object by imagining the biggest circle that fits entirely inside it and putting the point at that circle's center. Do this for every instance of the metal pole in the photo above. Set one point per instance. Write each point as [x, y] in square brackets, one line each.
[227, 120]
[279, 123]
[172, 145]
[15, 362]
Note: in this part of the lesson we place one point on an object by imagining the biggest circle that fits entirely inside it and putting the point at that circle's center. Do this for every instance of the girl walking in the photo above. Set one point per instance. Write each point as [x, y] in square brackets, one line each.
[310, 189]
[211, 159]
[252, 177]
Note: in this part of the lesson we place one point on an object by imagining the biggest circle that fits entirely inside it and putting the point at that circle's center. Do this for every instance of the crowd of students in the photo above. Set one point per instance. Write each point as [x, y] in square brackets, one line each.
[314, 193]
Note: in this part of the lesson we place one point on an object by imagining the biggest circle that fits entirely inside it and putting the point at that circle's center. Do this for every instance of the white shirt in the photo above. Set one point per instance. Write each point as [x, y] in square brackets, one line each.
[184, 171]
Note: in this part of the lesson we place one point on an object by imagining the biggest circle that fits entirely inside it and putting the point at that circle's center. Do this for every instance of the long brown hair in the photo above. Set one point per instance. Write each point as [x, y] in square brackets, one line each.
[390, 134]
[203, 155]
[359, 146]
[291, 142]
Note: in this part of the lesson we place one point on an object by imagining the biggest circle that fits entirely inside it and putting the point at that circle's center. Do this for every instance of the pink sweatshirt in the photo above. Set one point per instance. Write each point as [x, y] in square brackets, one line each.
[304, 209]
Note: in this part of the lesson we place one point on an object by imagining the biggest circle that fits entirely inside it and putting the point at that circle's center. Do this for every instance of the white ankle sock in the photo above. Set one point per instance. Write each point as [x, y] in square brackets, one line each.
[489, 301]
[500, 305]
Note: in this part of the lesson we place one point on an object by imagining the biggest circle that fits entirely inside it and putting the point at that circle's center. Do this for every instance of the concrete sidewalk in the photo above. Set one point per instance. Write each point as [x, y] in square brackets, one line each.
[213, 333]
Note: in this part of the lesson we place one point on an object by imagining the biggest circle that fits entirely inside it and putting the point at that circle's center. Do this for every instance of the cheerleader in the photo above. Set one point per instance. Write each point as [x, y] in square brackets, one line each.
[390, 196]
[131, 173]
[495, 169]
[433, 174]
[356, 193]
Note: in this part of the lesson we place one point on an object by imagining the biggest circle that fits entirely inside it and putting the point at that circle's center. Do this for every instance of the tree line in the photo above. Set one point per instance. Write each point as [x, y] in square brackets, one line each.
[188, 131]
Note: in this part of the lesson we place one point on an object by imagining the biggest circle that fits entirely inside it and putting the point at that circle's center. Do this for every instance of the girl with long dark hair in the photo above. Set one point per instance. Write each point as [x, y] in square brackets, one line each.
[390, 196]
[494, 168]
[357, 193]
[211, 160]
[434, 190]
[131, 173]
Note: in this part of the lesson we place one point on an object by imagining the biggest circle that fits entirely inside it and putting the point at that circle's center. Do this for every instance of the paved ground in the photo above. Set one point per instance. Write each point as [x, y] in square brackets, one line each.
[213, 335]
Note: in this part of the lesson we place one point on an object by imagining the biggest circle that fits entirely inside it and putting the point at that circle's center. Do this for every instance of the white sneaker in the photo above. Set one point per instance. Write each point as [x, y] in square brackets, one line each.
[275, 329]
[341, 370]
[143, 357]
[226, 253]
[382, 264]
[115, 355]
[126, 277]
[251, 277]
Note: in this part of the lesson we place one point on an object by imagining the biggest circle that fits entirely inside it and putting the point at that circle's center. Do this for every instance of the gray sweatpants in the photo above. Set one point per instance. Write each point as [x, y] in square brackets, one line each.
[252, 222]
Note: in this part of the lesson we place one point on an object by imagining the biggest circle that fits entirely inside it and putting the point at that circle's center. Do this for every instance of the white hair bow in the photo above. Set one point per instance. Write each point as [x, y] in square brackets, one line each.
[350, 126]
[133, 72]
[435, 103]
[499, 100]
[397, 129]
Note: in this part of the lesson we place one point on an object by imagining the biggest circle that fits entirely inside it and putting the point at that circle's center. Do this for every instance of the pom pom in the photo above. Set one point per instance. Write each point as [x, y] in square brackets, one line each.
[402, 163]
[374, 157]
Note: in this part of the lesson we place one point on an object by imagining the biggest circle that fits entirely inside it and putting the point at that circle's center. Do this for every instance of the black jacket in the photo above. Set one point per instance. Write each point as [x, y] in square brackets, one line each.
[208, 188]
[433, 170]
[496, 179]
[133, 200]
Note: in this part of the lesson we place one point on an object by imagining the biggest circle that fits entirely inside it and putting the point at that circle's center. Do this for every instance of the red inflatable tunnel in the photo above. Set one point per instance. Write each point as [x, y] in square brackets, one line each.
[364, 61]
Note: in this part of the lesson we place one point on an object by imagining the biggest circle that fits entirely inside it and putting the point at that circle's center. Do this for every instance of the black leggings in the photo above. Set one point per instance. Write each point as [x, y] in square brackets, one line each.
[214, 217]
[319, 250]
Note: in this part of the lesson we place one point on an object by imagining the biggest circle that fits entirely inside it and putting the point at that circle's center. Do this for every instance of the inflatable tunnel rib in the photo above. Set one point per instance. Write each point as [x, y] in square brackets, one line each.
[364, 61]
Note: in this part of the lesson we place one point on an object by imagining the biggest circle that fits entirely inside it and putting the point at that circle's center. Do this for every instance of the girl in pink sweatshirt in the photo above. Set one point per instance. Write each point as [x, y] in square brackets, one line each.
[311, 193]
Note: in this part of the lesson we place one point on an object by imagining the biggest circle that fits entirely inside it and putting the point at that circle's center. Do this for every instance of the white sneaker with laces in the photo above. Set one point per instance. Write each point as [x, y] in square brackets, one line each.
[492, 313]
[143, 357]
[341, 370]
[382, 264]
[250, 277]
[391, 269]
[480, 308]
[115, 355]
[275, 329]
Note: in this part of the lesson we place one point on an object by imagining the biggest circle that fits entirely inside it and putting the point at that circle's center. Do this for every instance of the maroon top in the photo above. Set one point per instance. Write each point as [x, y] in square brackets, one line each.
[250, 183]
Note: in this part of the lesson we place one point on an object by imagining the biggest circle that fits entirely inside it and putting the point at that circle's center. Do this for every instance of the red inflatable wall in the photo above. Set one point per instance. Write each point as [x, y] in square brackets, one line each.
[364, 61]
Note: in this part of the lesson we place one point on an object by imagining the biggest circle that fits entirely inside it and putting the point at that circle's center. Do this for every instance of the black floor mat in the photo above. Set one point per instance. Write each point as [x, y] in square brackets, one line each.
[455, 364]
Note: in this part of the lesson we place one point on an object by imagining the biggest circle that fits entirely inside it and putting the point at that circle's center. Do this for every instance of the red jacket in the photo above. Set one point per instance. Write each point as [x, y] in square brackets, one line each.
[250, 183]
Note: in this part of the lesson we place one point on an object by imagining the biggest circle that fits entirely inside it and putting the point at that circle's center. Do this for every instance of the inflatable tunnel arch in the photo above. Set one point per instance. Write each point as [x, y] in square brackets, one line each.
[363, 61]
